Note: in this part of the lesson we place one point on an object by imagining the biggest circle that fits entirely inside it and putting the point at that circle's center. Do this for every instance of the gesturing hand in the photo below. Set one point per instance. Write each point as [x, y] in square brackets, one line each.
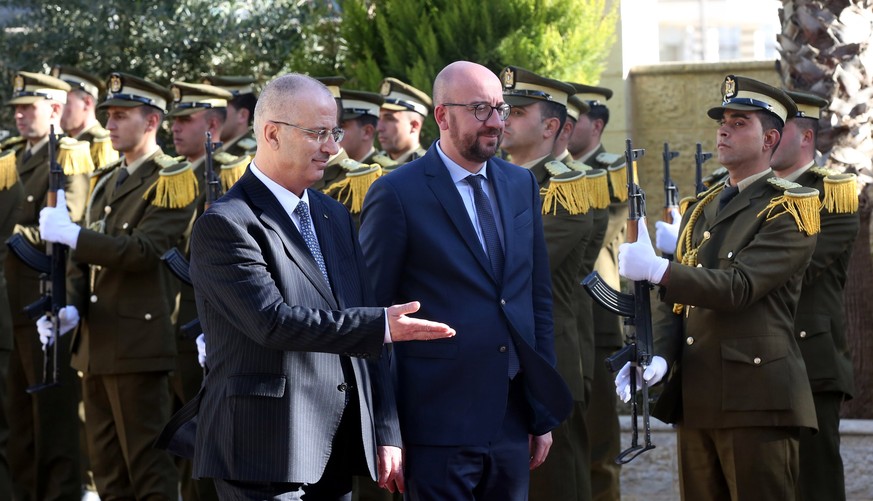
[404, 328]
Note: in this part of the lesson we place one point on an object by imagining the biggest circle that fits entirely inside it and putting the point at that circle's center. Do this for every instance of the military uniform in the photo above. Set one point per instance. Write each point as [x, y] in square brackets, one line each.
[400, 96]
[820, 322]
[11, 198]
[738, 387]
[567, 226]
[240, 87]
[43, 448]
[98, 137]
[125, 346]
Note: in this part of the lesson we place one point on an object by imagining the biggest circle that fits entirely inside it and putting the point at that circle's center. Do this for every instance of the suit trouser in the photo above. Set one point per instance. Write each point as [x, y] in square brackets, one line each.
[124, 413]
[43, 448]
[738, 463]
[565, 475]
[604, 432]
[821, 466]
[498, 470]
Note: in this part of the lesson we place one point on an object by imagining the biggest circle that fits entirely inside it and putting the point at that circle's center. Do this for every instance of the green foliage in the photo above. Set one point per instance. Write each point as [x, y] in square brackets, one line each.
[162, 40]
[413, 39]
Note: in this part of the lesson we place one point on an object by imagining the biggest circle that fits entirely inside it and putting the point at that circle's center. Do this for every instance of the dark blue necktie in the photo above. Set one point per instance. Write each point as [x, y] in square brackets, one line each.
[488, 226]
[495, 250]
[726, 196]
[302, 211]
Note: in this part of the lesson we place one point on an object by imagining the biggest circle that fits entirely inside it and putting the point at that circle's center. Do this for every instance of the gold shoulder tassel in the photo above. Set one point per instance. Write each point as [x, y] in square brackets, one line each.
[567, 188]
[617, 180]
[598, 188]
[102, 151]
[175, 188]
[841, 193]
[232, 171]
[8, 171]
[684, 203]
[354, 187]
[385, 162]
[802, 203]
[75, 156]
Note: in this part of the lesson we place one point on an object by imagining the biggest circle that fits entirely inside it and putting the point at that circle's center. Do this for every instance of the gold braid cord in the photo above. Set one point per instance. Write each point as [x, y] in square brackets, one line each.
[685, 254]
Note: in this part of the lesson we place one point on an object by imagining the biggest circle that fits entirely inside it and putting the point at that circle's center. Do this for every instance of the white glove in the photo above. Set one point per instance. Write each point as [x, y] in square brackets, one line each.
[667, 234]
[69, 318]
[653, 374]
[201, 349]
[55, 224]
[637, 261]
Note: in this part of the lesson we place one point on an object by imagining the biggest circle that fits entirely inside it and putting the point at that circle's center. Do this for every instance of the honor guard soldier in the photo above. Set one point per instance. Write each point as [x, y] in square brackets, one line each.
[43, 447]
[820, 322]
[237, 137]
[737, 389]
[400, 121]
[11, 199]
[79, 119]
[536, 119]
[334, 172]
[197, 109]
[125, 347]
[603, 429]
[359, 121]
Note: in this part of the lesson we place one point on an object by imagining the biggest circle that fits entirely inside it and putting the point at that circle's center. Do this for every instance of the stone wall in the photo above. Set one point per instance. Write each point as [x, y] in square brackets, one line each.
[668, 102]
[653, 476]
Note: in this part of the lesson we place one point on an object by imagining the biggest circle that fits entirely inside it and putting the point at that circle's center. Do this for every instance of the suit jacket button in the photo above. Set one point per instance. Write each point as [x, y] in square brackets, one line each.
[802, 334]
[502, 302]
[502, 348]
[342, 387]
[148, 316]
[689, 340]
[757, 361]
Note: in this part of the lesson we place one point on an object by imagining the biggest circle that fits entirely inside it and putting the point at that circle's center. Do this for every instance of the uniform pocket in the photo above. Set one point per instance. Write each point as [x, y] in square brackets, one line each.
[813, 334]
[755, 374]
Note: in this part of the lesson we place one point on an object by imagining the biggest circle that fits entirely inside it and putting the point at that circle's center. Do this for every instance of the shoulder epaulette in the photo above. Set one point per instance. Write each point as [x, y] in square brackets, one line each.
[801, 203]
[617, 179]
[823, 171]
[176, 186]
[348, 164]
[247, 143]
[8, 170]
[223, 157]
[352, 189]
[164, 160]
[384, 161]
[10, 142]
[782, 184]
[232, 168]
[578, 165]
[567, 188]
[74, 156]
[609, 158]
[841, 193]
[598, 188]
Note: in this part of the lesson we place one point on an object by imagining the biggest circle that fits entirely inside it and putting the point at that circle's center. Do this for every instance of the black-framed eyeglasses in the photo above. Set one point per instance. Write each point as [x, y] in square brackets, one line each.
[483, 111]
[321, 135]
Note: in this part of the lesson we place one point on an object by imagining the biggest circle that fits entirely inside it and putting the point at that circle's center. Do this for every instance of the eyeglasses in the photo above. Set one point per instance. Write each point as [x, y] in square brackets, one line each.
[321, 135]
[483, 111]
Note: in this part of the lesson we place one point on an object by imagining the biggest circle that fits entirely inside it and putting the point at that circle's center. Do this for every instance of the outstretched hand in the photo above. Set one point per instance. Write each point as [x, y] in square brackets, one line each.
[405, 328]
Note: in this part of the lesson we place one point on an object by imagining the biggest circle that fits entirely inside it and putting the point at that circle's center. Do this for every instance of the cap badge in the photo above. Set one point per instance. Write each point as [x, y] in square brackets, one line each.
[18, 83]
[386, 88]
[56, 71]
[508, 78]
[177, 94]
[115, 83]
[729, 89]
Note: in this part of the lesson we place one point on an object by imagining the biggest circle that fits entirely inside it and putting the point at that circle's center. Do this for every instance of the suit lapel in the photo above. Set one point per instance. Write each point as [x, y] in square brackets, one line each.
[440, 182]
[328, 239]
[743, 199]
[274, 217]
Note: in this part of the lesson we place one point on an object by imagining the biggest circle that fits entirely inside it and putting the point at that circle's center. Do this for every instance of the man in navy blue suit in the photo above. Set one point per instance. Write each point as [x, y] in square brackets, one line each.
[462, 231]
[291, 405]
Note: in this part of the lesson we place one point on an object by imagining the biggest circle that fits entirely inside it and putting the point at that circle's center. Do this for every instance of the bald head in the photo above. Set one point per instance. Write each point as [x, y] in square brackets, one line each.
[454, 81]
[282, 96]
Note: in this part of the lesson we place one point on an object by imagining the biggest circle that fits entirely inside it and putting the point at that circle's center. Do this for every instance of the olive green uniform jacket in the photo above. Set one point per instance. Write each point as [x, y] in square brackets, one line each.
[128, 303]
[734, 360]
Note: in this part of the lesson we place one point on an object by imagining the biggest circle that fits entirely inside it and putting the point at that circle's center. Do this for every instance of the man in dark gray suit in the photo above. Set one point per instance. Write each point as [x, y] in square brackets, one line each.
[291, 404]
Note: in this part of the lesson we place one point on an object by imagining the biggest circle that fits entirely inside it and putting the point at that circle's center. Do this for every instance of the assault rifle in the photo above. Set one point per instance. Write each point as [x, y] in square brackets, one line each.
[52, 268]
[699, 158]
[636, 310]
[671, 192]
[173, 258]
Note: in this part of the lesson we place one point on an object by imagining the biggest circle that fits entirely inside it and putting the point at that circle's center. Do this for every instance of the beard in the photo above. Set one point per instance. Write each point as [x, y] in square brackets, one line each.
[471, 145]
